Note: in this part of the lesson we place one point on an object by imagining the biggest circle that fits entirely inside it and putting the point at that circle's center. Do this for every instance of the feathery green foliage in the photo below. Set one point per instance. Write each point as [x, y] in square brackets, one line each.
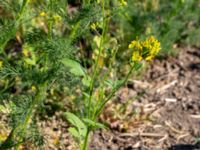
[37, 64]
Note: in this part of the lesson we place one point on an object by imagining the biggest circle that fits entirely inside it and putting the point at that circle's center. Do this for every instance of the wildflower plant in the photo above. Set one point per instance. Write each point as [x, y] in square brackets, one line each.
[99, 87]
[95, 101]
[46, 52]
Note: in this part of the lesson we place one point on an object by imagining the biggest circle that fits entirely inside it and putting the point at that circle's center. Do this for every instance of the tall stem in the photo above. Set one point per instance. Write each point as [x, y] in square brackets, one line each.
[85, 144]
[50, 22]
[22, 10]
[97, 113]
[97, 60]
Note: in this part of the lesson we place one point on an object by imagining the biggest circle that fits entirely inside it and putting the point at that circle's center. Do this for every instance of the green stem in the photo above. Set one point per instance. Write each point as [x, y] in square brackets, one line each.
[86, 140]
[97, 113]
[84, 2]
[105, 77]
[50, 23]
[24, 4]
[97, 60]
[50, 33]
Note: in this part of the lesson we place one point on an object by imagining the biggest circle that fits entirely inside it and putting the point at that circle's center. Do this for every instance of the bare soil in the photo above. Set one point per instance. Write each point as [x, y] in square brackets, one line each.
[168, 110]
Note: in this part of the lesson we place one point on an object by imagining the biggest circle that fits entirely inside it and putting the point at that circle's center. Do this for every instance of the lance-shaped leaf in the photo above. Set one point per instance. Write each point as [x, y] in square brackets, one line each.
[80, 128]
[74, 66]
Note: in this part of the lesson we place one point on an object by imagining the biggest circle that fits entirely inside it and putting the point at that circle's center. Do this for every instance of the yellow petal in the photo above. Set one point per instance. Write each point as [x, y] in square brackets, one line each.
[136, 56]
[43, 14]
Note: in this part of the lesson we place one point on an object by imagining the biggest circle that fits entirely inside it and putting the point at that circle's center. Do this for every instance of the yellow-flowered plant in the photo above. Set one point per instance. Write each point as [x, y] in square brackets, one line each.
[25, 52]
[43, 14]
[145, 50]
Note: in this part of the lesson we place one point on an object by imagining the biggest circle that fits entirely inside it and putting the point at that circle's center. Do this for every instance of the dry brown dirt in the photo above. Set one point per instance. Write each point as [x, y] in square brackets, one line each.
[168, 110]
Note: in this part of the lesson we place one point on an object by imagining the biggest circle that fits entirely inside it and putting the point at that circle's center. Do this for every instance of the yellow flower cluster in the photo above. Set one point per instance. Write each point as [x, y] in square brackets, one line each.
[145, 50]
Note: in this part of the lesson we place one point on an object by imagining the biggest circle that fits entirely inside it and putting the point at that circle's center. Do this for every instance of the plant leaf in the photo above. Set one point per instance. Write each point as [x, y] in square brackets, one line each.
[93, 124]
[76, 122]
[74, 132]
[75, 67]
[86, 81]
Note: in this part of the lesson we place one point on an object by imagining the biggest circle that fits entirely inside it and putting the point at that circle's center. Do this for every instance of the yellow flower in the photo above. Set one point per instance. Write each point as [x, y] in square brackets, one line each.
[145, 50]
[136, 45]
[33, 88]
[151, 48]
[136, 56]
[1, 63]
[137, 50]
[43, 14]
[57, 18]
[25, 52]
[150, 57]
